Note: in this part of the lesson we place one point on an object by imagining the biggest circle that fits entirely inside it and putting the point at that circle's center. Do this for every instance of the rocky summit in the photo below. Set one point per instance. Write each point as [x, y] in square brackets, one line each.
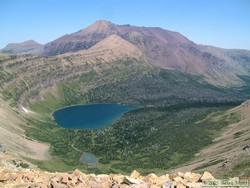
[35, 178]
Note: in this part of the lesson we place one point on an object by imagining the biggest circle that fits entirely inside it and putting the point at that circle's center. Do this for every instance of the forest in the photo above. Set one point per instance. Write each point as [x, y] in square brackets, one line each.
[161, 135]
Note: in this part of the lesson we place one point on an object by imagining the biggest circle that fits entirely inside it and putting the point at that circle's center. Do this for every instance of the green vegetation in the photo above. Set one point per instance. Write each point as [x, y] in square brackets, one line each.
[243, 167]
[154, 137]
[20, 164]
[167, 132]
[237, 135]
[143, 139]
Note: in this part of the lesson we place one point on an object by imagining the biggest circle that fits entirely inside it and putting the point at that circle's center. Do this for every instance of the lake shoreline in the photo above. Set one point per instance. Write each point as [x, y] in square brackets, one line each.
[90, 116]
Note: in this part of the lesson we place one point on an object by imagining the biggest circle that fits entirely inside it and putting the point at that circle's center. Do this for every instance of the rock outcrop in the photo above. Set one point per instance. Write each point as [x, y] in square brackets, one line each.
[35, 178]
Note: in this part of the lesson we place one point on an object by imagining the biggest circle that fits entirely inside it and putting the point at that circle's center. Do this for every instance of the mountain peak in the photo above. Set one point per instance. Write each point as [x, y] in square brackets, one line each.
[113, 47]
[30, 42]
[105, 22]
[99, 25]
[117, 43]
[26, 47]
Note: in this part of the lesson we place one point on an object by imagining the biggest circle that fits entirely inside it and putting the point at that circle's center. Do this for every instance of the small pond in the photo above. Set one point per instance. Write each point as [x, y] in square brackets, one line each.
[89, 158]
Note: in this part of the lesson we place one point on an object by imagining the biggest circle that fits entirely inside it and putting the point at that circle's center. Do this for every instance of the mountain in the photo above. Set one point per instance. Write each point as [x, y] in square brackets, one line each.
[180, 86]
[80, 40]
[111, 48]
[165, 49]
[27, 47]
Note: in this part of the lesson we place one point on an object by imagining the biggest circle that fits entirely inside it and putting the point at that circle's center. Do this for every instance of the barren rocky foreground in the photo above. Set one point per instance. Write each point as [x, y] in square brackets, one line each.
[35, 178]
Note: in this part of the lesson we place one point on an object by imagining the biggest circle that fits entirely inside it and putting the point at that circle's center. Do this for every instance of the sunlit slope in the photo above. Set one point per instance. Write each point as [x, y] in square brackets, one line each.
[226, 155]
[12, 134]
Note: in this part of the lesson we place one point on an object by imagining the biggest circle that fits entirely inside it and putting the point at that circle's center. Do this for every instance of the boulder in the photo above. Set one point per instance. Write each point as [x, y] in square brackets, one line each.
[134, 183]
[29, 176]
[117, 178]
[123, 186]
[41, 185]
[161, 180]
[81, 184]
[181, 174]
[155, 186]
[104, 177]
[78, 173]
[192, 177]
[65, 178]
[180, 186]
[100, 185]
[172, 176]
[150, 178]
[55, 184]
[53, 179]
[4, 177]
[167, 185]
[194, 185]
[134, 174]
[130, 181]
[207, 176]
[178, 179]
[137, 186]
[44, 179]
[75, 180]
[102, 180]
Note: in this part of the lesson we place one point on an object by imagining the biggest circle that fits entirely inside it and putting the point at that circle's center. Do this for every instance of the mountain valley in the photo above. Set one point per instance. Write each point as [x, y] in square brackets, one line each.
[186, 90]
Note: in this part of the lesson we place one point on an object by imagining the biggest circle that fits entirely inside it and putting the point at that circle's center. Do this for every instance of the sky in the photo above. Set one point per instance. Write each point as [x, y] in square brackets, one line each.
[221, 23]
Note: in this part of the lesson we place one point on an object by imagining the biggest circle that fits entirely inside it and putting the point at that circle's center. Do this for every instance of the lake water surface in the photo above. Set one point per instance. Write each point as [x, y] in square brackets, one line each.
[91, 116]
[89, 158]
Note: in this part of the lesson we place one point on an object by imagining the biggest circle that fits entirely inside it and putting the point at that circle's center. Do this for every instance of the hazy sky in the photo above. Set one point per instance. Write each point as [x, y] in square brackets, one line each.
[222, 23]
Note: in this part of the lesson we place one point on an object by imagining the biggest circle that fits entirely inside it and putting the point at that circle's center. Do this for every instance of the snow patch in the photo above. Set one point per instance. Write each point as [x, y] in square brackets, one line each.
[25, 110]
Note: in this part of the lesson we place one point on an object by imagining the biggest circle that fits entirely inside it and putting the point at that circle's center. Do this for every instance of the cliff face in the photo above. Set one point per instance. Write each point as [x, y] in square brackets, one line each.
[35, 178]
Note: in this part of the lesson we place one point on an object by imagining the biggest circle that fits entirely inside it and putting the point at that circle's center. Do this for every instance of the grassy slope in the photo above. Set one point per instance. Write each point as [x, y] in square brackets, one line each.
[227, 144]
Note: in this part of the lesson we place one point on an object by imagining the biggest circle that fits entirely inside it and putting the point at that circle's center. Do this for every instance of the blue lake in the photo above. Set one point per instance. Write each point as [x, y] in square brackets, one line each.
[92, 116]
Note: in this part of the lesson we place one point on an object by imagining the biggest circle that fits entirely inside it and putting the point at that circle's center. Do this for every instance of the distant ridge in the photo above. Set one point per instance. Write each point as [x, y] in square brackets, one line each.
[99, 30]
[162, 48]
[27, 47]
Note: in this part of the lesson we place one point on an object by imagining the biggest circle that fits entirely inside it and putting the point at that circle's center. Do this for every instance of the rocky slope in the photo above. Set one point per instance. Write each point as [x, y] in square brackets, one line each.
[109, 49]
[35, 178]
[27, 47]
[163, 48]
[225, 155]
[12, 135]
